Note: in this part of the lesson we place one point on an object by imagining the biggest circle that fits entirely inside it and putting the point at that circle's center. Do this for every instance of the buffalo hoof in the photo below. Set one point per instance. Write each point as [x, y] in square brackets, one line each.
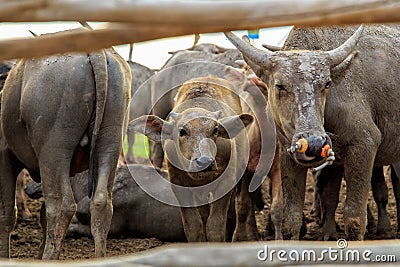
[353, 229]
[130, 159]
[371, 226]
[269, 228]
[330, 236]
[384, 233]
[303, 229]
[330, 233]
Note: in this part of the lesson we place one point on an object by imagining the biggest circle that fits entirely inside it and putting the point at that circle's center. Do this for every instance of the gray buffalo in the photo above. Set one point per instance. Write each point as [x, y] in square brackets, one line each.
[61, 115]
[20, 197]
[141, 103]
[325, 97]
[206, 147]
[135, 213]
[326, 200]
[5, 67]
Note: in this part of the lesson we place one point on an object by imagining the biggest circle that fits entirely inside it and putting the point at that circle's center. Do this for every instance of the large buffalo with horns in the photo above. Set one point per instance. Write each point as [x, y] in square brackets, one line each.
[332, 91]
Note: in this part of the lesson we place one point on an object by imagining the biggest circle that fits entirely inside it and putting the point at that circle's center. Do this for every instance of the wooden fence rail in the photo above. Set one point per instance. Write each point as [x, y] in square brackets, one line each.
[147, 20]
[246, 254]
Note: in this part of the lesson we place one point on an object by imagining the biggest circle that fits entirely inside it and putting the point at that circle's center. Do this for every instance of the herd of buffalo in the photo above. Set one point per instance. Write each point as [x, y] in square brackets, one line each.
[219, 121]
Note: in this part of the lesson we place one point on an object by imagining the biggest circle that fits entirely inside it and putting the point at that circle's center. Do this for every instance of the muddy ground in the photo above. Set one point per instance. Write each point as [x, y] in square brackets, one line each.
[27, 234]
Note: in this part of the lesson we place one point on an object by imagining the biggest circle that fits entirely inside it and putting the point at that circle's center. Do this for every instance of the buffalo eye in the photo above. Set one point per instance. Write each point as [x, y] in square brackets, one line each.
[182, 132]
[328, 84]
[280, 87]
[215, 131]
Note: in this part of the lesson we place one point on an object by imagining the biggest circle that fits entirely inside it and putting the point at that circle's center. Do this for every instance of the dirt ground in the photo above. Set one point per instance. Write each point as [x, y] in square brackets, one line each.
[26, 237]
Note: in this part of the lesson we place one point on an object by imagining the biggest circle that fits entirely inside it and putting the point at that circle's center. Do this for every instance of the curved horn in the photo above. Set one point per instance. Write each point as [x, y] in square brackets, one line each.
[196, 39]
[218, 114]
[173, 115]
[86, 25]
[246, 39]
[130, 52]
[272, 48]
[33, 34]
[339, 54]
[258, 56]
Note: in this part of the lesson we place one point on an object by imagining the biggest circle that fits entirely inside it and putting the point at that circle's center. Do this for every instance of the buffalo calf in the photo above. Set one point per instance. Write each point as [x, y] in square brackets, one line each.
[207, 152]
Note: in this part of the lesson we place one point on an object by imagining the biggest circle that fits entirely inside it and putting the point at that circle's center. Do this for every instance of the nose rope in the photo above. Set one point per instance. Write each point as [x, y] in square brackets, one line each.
[301, 146]
[329, 160]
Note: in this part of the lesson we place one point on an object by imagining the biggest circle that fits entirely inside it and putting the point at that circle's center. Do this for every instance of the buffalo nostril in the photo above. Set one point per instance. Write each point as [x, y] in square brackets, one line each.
[315, 145]
[204, 162]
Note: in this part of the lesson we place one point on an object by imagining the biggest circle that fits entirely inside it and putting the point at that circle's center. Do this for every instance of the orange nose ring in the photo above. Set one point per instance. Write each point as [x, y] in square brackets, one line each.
[303, 145]
[324, 151]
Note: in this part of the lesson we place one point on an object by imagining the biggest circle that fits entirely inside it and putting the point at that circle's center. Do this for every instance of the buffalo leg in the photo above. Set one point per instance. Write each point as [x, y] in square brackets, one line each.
[371, 225]
[246, 228]
[131, 140]
[293, 186]
[101, 202]
[43, 224]
[380, 194]
[60, 204]
[8, 213]
[316, 208]
[358, 183]
[328, 188]
[276, 197]
[396, 191]
[156, 154]
[193, 225]
[216, 222]
[20, 197]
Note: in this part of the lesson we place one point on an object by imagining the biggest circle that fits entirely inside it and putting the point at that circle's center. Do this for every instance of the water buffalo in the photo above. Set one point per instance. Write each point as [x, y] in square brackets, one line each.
[200, 60]
[20, 197]
[325, 98]
[140, 103]
[262, 141]
[61, 115]
[5, 67]
[206, 150]
[135, 213]
[327, 197]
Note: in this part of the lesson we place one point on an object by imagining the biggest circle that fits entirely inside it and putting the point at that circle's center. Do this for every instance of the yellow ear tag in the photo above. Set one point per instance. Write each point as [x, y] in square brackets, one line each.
[303, 145]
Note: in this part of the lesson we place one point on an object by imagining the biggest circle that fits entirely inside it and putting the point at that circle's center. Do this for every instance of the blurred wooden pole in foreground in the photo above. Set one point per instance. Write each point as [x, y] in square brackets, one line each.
[148, 20]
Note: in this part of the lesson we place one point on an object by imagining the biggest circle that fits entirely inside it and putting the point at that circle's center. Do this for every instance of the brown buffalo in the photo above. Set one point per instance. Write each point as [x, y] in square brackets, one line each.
[61, 115]
[206, 150]
[23, 211]
[261, 140]
[323, 97]
[200, 60]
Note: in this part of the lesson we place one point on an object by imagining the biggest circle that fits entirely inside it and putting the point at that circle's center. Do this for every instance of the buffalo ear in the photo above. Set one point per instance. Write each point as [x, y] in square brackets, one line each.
[233, 125]
[258, 70]
[152, 126]
[235, 76]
